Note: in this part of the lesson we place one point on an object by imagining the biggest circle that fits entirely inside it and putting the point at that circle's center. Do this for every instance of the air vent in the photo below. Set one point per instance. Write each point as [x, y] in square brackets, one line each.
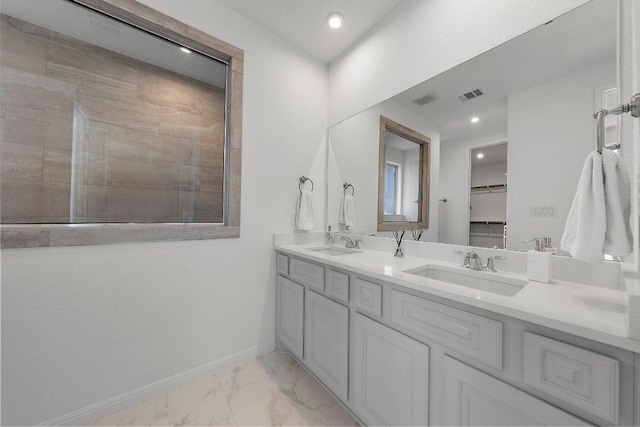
[470, 95]
[430, 97]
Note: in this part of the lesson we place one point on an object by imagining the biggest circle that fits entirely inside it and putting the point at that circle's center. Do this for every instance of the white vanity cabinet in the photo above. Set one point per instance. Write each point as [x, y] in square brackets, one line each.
[290, 315]
[399, 356]
[326, 342]
[473, 398]
[391, 381]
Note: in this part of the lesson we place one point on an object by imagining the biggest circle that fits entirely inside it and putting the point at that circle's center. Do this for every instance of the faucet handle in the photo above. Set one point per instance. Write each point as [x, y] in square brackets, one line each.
[490, 266]
[467, 258]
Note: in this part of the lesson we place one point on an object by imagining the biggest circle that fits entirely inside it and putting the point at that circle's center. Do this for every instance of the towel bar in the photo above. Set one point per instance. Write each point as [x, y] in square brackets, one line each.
[632, 107]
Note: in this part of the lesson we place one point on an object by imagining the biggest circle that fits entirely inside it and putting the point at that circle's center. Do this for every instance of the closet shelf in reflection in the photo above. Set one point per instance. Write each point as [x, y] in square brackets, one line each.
[496, 188]
[489, 222]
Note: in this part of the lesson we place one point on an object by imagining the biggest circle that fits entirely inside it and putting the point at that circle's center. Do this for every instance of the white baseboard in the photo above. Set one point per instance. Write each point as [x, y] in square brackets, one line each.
[116, 403]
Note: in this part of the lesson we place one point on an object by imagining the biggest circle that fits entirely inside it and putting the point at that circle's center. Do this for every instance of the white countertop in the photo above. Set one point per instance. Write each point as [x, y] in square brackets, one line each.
[587, 311]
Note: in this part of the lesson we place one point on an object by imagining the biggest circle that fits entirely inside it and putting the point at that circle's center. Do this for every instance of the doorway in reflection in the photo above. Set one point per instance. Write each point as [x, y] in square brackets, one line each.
[488, 196]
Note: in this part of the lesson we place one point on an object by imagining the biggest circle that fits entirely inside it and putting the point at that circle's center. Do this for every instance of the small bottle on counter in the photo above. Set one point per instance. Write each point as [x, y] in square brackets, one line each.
[539, 260]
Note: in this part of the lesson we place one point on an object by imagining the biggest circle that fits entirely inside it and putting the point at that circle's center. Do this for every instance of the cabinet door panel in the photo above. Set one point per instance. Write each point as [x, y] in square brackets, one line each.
[391, 376]
[327, 342]
[290, 314]
[473, 398]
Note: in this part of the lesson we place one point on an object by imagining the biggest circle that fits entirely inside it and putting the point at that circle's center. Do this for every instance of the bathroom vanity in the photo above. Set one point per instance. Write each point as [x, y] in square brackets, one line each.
[417, 341]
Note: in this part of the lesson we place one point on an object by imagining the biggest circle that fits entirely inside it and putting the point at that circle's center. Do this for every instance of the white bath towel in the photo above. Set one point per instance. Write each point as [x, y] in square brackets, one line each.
[598, 220]
[347, 212]
[618, 240]
[304, 214]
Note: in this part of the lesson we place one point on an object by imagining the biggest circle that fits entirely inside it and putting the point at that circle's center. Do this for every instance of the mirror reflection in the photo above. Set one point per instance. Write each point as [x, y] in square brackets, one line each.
[106, 123]
[403, 200]
[510, 130]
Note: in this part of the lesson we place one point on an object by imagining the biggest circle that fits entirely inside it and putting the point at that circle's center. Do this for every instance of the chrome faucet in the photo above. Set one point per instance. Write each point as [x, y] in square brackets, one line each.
[490, 266]
[350, 243]
[468, 256]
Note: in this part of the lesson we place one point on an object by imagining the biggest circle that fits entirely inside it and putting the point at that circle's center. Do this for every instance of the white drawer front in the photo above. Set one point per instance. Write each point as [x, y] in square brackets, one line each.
[307, 273]
[337, 285]
[282, 264]
[579, 377]
[473, 398]
[472, 335]
[368, 297]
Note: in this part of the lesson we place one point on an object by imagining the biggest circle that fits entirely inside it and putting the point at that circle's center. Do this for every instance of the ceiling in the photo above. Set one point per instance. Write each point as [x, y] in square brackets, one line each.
[303, 23]
[566, 45]
[495, 154]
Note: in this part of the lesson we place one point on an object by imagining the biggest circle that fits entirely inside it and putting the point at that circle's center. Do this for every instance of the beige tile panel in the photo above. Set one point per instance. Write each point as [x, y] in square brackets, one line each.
[178, 149]
[39, 132]
[131, 143]
[55, 203]
[57, 166]
[14, 43]
[21, 203]
[179, 124]
[36, 97]
[127, 113]
[21, 163]
[85, 64]
[165, 89]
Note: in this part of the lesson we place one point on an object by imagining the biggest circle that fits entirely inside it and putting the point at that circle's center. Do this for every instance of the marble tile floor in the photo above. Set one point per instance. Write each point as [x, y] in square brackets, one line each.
[272, 390]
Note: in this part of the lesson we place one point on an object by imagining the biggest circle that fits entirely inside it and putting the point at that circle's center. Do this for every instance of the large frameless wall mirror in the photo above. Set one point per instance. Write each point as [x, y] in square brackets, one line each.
[121, 121]
[511, 174]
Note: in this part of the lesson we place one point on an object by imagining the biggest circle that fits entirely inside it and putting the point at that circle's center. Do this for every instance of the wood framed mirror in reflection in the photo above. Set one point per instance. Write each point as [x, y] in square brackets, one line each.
[403, 177]
[537, 94]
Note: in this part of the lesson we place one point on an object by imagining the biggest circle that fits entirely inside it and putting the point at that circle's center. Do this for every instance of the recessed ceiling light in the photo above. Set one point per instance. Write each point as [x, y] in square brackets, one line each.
[475, 120]
[334, 20]
[480, 155]
[185, 50]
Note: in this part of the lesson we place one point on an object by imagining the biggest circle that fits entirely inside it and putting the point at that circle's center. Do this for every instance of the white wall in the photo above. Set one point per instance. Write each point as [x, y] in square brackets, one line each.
[551, 133]
[421, 39]
[84, 324]
[410, 183]
[353, 157]
[454, 185]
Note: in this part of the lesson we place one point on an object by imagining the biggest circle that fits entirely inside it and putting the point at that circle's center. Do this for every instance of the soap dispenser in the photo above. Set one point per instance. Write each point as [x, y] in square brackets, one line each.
[539, 261]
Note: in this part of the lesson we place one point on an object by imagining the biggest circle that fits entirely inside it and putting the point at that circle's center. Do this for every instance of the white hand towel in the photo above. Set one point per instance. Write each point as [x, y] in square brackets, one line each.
[598, 220]
[304, 215]
[347, 211]
[617, 198]
[586, 225]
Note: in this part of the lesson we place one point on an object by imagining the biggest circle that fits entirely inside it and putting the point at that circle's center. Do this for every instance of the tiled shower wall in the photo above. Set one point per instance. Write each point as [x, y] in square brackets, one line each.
[88, 135]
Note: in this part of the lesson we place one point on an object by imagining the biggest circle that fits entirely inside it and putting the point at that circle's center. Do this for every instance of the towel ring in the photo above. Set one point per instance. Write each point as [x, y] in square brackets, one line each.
[304, 179]
[345, 186]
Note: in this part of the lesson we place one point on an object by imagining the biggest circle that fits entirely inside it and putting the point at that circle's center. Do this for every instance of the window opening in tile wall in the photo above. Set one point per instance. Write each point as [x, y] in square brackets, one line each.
[105, 122]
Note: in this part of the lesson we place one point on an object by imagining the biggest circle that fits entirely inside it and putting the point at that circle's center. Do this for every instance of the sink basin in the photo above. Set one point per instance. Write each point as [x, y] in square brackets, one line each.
[480, 280]
[334, 251]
